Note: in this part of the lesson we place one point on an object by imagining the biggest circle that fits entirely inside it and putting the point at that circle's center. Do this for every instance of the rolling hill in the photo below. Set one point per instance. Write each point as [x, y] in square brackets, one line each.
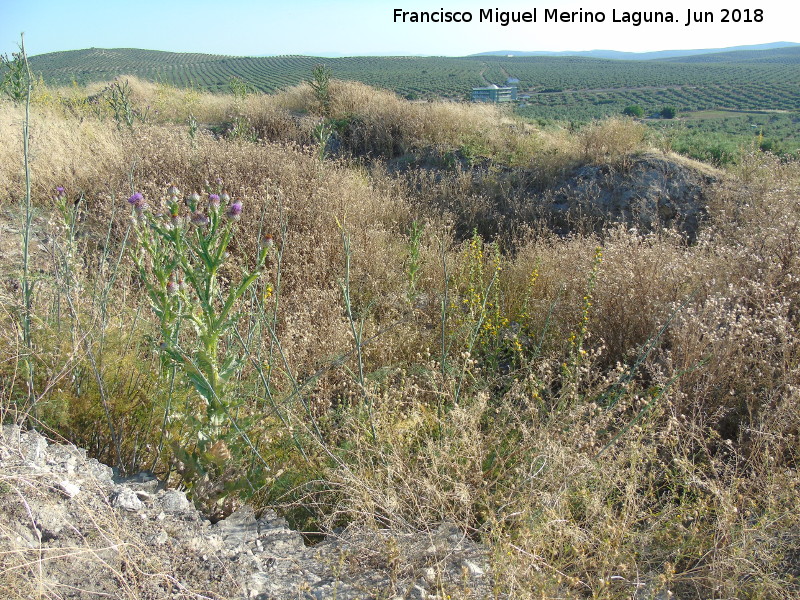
[784, 55]
[657, 55]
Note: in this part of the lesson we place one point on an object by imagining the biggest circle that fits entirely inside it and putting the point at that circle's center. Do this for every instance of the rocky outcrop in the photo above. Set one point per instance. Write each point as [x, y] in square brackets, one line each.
[71, 529]
[649, 191]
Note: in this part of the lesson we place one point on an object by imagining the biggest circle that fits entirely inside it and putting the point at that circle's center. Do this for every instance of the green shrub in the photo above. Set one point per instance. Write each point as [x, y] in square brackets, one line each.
[668, 112]
[634, 110]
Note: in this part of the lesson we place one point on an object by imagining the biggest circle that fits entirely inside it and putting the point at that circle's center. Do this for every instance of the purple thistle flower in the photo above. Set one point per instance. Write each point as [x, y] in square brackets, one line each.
[213, 201]
[199, 219]
[172, 287]
[234, 211]
[60, 192]
[139, 203]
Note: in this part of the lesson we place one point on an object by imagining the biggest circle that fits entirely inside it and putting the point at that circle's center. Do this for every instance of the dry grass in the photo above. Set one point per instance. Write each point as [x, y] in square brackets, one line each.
[611, 139]
[81, 153]
[608, 427]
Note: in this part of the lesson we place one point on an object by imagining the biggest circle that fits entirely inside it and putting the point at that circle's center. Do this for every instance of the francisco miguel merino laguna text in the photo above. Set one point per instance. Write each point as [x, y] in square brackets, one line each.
[553, 15]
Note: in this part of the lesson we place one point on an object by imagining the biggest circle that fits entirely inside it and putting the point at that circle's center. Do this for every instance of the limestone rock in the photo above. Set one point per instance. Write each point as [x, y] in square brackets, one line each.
[472, 569]
[175, 501]
[96, 525]
[126, 499]
[69, 489]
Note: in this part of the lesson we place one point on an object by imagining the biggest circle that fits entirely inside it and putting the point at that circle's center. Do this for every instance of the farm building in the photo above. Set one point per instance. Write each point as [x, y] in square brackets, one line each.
[494, 93]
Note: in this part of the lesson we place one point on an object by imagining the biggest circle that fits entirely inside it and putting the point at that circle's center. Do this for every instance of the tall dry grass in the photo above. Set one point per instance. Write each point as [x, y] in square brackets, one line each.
[613, 423]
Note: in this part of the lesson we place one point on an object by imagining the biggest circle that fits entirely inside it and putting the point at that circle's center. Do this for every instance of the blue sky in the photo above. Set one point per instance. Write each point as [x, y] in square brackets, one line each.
[355, 27]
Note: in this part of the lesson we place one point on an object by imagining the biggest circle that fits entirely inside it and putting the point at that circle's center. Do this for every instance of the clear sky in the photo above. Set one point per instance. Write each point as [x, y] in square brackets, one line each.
[362, 27]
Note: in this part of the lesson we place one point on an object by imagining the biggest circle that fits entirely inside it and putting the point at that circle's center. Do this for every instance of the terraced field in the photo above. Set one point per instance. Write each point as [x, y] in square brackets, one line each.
[557, 84]
[406, 75]
[590, 103]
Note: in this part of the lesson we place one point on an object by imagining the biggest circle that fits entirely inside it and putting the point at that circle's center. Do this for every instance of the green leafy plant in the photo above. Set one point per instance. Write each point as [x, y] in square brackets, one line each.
[191, 121]
[241, 127]
[320, 84]
[15, 81]
[323, 132]
[181, 254]
[122, 106]
[18, 81]
[239, 88]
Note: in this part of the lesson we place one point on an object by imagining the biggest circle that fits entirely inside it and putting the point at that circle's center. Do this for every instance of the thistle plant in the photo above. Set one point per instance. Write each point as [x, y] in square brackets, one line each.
[322, 132]
[181, 253]
[119, 100]
[320, 86]
[14, 76]
[191, 121]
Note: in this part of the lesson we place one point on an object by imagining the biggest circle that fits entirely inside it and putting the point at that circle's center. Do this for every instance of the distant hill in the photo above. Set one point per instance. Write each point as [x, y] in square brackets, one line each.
[658, 55]
[784, 56]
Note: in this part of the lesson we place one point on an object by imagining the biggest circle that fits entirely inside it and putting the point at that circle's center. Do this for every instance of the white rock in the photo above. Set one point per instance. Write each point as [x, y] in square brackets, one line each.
[143, 496]
[126, 499]
[473, 569]
[161, 538]
[34, 448]
[175, 501]
[69, 489]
